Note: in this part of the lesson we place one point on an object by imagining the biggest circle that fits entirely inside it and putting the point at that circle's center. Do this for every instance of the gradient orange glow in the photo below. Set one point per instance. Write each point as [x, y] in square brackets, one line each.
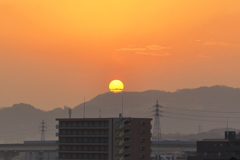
[54, 52]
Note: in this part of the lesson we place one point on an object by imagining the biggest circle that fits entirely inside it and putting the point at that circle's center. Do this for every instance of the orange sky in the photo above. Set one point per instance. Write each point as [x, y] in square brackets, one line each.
[53, 52]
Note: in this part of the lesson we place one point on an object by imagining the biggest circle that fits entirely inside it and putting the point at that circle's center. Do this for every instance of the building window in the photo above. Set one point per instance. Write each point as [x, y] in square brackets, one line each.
[142, 123]
[142, 148]
[142, 131]
[142, 140]
[142, 156]
[127, 155]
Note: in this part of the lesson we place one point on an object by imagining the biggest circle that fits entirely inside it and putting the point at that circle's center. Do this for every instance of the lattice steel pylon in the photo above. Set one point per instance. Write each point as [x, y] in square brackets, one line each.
[43, 129]
[157, 135]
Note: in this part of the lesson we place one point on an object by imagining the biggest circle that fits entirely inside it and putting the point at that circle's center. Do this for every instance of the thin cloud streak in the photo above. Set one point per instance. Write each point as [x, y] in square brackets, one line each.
[221, 44]
[153, 54]
[156, 48]
[152, 50]
[132, 49]
[203, 56]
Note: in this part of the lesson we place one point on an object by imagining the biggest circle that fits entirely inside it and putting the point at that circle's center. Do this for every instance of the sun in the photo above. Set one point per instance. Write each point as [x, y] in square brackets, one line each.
[116, 86]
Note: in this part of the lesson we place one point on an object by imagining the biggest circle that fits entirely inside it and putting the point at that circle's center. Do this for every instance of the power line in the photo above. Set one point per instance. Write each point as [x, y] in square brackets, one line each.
[198, 115]
[200, 119]
[192, 119]
[140, 112]
[199, 110]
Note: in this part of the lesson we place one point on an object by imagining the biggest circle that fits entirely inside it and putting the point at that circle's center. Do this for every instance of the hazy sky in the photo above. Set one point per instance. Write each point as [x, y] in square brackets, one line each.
[53, 52]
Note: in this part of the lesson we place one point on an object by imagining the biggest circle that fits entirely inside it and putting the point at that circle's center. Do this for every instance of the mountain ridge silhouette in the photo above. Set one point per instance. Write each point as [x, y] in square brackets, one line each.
[21, 121]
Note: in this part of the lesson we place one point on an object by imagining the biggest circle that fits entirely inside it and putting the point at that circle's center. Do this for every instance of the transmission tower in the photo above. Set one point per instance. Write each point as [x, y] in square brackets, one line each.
[43, 129]
[157, 135]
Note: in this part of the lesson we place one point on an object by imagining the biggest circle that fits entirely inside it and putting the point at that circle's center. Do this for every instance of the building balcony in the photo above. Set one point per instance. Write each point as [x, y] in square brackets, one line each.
[121, 134]
[81, 126]
[83, 134]
[127, 139]
[124, 122]
[83, 151]
[126, 156]
[84, 142]
[125, 148]
[122, 126]
[73, 158]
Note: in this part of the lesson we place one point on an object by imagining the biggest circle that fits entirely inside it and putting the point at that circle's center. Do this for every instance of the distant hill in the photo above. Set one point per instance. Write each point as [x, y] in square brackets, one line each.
[212, 134]
[186, 111]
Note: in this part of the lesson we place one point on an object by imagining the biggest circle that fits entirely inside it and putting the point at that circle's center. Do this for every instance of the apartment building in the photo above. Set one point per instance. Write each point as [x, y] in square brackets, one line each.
[104, 138]
[218, 149]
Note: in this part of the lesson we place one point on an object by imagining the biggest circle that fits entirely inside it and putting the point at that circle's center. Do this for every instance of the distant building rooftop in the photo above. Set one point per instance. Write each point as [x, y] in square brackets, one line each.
[39, 142]
[174, 142]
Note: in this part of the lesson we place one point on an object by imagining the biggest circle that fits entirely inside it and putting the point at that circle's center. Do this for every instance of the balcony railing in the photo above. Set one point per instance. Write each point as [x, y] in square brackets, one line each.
[127, 147]
[83, 142]
[84, 150]
[83, 126]
[124, 140]
[124, 124]
[125, 157]
[121, 150]
[124, 132]
[74, 158]
[82, 134]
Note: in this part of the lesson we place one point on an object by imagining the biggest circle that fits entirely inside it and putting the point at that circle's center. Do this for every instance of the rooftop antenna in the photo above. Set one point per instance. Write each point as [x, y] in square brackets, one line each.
[157, 135]
[84, 107]
[70, 112]
[199, 128]
[122, 104]
[227, 123]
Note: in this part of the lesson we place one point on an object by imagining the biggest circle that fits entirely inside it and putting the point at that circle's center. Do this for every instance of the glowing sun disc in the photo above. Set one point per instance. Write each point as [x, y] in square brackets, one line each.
[116, 86]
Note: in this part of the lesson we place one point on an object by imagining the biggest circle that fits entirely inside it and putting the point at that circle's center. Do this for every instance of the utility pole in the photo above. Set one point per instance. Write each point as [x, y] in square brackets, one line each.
[43, 129]
[227, 123]
[157, 135]
[84, 107]
[199, 128]
[70, 113]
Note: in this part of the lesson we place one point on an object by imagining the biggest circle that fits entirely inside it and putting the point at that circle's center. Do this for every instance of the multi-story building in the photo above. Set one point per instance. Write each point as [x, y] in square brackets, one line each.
[104, 138]
[29, 150]
[218, 149]
[173, 149]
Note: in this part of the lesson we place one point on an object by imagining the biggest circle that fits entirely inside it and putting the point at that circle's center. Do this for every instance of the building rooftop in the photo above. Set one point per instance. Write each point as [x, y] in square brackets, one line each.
[174, 142]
